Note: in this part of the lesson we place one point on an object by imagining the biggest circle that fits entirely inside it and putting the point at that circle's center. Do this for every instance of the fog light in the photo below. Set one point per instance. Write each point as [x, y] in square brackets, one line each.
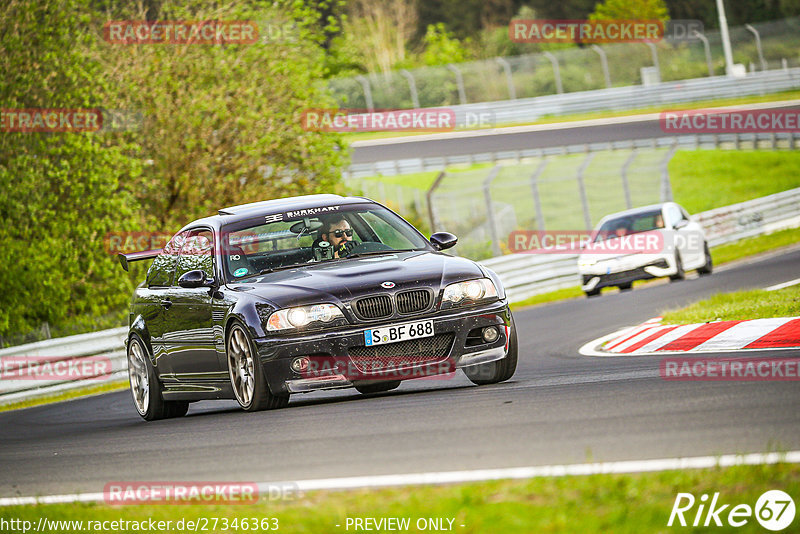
[300, 365]
[490, 334]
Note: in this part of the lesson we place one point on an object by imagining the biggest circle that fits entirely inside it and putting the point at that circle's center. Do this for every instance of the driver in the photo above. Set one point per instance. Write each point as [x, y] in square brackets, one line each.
[338, 233]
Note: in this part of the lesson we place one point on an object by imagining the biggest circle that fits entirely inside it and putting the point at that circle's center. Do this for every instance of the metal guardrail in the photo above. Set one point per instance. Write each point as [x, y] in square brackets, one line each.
[634, 97]
[49, 353]
[524, 275]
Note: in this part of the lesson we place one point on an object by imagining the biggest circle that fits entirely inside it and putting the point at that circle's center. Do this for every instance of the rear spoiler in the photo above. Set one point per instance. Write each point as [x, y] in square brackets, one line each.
[137, 256]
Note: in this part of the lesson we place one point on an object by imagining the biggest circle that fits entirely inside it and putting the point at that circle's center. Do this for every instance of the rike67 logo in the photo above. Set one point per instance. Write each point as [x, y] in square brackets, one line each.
[774, 510]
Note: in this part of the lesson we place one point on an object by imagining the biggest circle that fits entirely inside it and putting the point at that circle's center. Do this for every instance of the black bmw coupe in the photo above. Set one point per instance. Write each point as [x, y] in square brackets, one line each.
[309, 293]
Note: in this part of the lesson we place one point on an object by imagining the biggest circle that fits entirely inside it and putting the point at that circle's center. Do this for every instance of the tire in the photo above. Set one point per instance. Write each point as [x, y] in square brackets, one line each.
[246, 374]
[625, 287]
[592, 293]
[680, 274]
[708, 268]
[379, 387]
[145, 387]
[497, 371]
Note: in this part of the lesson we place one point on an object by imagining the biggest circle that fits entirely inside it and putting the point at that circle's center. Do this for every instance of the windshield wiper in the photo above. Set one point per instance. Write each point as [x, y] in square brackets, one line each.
[279, 268]
[379, 252]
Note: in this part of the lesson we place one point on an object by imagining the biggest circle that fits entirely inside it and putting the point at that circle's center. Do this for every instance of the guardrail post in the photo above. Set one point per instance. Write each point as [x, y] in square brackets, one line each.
[587, 218]
[604, 63]
[625, 187]
[666, 187]
[412, 87]
[487, 195]
[754, 31]
[537, 200]
[462, 94]
[429, 196]
[512, 92]
[707, 49]
[556, 71]
[367, 91]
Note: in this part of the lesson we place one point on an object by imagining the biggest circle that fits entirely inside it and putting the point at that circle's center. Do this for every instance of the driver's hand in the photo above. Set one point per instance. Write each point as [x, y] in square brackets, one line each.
[345, 248]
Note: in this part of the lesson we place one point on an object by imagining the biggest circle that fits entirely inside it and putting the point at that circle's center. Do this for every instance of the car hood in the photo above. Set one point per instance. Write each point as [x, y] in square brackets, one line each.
[341, 281]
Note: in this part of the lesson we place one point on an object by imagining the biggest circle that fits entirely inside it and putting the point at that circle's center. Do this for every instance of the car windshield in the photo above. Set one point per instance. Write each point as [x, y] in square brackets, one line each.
[310, 236]
[630, 224]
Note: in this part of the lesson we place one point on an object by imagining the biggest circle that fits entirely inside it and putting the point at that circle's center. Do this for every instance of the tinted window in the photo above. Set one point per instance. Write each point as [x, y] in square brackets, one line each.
[196, 253]
[631, 224]
[291, 241]
[162, 270]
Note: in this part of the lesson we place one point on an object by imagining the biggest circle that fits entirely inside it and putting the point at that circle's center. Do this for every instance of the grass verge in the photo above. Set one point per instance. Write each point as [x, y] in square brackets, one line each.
[739, 305]
[117, 385]
[598, 503]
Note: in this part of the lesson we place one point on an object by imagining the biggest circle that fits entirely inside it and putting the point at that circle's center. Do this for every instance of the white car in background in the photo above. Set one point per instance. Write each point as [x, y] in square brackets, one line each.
[675, 244]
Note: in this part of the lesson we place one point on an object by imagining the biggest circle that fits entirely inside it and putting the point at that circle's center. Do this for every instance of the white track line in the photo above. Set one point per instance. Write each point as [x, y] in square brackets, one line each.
[457, 477]
[790, 283]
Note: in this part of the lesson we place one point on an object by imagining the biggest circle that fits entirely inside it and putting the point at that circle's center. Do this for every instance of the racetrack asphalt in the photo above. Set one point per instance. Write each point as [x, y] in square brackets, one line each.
[558, 408]
[547, 136]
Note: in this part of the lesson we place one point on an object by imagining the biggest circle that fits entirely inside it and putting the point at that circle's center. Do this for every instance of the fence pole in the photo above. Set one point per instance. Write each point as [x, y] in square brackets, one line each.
[487, 195]
[512, 92]
[462, 94]
[587, 218]
[666, 188]
[418, 201]
[537, 200]
[604, 63]
[412, 86]
[654, 53]
[367, 91]
[625, 186]
[754, 31]
[429, 196]
[707, 49]
[556, 71]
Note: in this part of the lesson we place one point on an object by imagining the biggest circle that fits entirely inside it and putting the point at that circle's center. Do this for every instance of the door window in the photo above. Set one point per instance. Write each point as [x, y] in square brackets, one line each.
[162, 270]
[196, 253]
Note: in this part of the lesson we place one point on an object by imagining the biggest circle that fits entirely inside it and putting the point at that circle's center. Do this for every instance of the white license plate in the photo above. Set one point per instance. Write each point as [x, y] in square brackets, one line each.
[395, 333]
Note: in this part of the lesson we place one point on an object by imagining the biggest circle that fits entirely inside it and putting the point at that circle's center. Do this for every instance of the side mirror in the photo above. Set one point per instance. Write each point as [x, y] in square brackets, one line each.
[195, 278]
[680, 224]
[443, 240]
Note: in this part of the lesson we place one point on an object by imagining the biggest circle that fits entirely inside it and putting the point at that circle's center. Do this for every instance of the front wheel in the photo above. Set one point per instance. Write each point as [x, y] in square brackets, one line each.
[708, 267]
[145, 388]
[497, 371]
[680, 274]
[247, 377]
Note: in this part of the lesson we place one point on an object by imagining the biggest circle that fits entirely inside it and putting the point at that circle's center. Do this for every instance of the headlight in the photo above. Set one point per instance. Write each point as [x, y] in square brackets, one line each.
[300, 316]
[469, 291]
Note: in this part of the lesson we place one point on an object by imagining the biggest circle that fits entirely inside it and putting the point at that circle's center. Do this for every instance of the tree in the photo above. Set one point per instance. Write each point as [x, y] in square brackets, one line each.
[631, 9]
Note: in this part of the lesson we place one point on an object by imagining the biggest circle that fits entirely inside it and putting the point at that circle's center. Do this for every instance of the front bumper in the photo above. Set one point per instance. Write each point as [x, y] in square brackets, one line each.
[616, 272]
[339, 354]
